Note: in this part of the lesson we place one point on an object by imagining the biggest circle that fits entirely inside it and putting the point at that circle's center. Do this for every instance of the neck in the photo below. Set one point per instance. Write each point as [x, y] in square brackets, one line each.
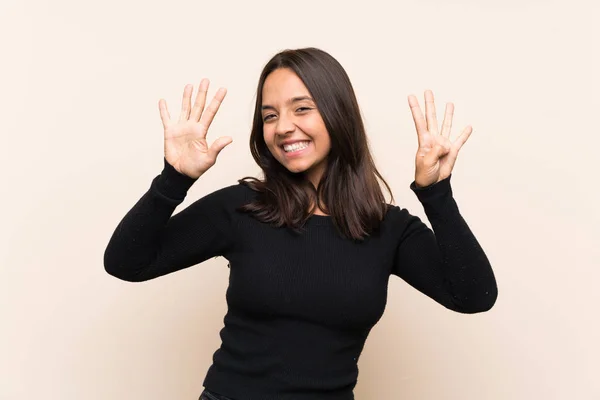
[314, 175]
[318, 211]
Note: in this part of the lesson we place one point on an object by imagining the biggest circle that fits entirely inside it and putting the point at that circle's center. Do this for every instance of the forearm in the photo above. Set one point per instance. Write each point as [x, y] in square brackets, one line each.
[465, 268]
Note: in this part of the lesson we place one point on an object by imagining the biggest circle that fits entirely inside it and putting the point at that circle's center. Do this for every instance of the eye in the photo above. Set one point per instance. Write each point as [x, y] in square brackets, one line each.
[267, 117]
[303, 108]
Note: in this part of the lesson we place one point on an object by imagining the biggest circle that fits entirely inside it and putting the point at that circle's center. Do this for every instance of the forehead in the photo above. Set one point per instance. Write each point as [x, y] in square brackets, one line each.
[282, 85]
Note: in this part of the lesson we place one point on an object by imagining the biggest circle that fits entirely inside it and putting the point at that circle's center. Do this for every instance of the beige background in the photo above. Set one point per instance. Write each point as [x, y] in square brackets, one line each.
[82, 140]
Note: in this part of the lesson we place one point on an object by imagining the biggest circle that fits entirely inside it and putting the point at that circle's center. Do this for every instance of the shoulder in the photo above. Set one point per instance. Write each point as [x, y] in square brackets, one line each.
[396, 213]
[228, 198]
[231, 194]
[219, 206]
[400, 221]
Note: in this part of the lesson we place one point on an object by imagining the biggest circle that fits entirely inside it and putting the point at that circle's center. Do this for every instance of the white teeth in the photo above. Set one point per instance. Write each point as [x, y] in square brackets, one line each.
[295, 146]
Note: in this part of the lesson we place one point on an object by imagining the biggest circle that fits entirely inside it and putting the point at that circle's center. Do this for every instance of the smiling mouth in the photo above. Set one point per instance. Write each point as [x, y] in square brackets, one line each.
[294, 147]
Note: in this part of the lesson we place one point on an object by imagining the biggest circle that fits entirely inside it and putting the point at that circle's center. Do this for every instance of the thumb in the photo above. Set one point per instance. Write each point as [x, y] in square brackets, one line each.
[219, 145]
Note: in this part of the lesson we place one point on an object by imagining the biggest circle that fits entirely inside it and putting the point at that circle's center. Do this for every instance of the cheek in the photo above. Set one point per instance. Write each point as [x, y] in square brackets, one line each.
[319, 132]
[318, 125]
[269, 137]
[311, 126]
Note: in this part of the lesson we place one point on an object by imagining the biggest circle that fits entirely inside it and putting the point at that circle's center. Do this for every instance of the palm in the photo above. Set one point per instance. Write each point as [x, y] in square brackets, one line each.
[442, 165]
[185, 145]
[185, 142]
[436, 154]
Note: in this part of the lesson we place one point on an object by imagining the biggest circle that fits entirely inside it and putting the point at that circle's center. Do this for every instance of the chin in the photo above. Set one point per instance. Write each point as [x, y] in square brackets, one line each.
[295, 166]
[296, 170]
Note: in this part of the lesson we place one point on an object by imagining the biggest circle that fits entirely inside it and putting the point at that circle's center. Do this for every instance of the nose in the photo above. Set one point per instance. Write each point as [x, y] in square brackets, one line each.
[284, 125]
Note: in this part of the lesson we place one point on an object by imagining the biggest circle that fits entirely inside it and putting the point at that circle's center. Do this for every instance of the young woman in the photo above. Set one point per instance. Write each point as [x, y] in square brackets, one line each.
[312, 245]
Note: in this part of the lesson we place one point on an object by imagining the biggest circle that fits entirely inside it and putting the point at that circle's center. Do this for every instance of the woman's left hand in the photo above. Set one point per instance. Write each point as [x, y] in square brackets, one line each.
[436, 154]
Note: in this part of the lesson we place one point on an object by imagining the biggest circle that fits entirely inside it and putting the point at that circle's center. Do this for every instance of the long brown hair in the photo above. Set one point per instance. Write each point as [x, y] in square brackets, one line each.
[348, 191]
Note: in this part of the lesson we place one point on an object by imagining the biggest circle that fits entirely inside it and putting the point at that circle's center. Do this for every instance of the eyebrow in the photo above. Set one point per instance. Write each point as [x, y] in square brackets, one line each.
[292, 100]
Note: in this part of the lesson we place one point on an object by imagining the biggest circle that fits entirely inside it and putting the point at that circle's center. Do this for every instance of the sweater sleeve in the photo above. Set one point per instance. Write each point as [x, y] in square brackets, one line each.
[446, 264]
[149, 242]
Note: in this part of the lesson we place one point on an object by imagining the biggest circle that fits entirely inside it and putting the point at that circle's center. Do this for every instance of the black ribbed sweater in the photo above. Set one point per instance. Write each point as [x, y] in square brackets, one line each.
[300, 306]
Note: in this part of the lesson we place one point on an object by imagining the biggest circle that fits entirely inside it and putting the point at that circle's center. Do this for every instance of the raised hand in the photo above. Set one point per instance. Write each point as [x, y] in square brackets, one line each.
[186, 148]
[436, 154]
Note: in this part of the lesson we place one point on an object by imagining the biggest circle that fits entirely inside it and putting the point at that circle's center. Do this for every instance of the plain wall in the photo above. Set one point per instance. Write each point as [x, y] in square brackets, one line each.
[82, 140]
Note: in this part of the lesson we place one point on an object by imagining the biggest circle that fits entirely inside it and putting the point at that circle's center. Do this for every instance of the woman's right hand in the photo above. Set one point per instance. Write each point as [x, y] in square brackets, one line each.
[186, 148]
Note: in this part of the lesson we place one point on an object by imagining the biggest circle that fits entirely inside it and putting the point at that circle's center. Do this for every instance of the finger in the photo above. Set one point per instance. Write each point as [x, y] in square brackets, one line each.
[185, 103]
[464, 136]
[164, 113]
[447, 123]
[200, 100]
[418, 118]
[219, 145]
[432, 125]
[209, 114]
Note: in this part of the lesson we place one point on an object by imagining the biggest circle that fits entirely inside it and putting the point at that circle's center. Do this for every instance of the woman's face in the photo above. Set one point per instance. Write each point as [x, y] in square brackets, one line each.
[292, 126]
